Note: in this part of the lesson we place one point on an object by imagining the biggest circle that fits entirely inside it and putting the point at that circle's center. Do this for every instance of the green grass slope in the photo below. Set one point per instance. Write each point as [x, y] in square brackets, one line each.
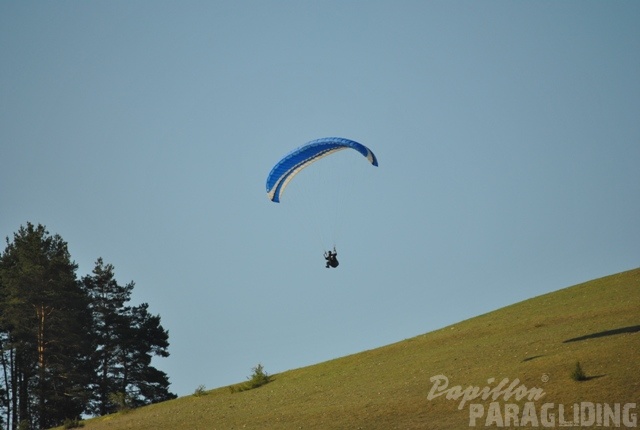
[537, 341]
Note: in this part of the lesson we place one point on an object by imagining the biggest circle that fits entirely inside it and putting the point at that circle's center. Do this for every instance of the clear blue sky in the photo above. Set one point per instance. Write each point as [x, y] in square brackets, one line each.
[508, 135]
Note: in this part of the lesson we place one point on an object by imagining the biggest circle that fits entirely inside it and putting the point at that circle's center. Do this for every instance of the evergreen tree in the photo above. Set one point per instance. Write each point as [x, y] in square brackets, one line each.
[142, 339]
[107, 300]
[125, 340]
[67, 346]
[44, 324]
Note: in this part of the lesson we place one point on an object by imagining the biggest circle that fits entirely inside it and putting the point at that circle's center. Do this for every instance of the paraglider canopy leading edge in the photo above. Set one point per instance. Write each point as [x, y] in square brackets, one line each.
[292, 163]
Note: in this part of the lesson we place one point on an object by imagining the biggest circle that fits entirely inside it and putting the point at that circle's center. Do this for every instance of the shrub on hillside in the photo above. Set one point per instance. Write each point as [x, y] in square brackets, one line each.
[257, 379]
[578, 374]
[200, 391]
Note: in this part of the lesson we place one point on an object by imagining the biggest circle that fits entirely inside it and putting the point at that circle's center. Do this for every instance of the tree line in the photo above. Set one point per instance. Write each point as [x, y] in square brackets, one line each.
[71, 346]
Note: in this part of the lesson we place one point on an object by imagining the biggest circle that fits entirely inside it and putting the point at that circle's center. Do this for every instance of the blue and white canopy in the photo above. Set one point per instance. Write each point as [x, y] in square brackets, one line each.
[299, 158]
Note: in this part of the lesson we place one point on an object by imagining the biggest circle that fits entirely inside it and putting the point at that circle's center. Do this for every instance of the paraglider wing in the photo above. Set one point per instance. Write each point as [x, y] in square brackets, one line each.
[299, 158]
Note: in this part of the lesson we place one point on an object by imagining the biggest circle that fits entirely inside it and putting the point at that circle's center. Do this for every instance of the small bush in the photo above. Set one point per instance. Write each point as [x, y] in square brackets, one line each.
[121, 401]
[257, 379]
[578, 374]
[200, 391]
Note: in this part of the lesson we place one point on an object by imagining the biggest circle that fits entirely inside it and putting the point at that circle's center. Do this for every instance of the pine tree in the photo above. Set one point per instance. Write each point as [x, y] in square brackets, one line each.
[147, 384]
[69, 347]
[107, 300]
[45, 327]
[125, 340]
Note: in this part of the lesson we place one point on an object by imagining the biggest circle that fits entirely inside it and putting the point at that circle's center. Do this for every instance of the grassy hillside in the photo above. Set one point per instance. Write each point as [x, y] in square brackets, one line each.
[537, 341]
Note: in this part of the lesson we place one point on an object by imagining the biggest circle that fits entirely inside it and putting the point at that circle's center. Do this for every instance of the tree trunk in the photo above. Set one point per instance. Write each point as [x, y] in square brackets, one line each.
[7, 389]
[42, 312]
